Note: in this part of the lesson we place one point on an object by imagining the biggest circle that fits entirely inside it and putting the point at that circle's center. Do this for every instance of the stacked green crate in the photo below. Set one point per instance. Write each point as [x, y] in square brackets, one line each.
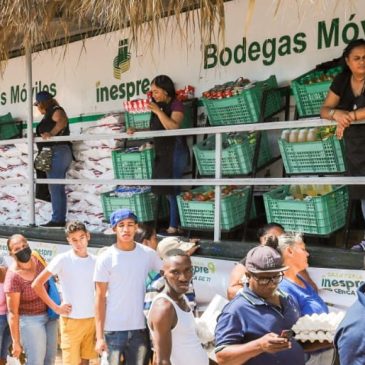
[244, 107]
[319, 215]
[237, 153]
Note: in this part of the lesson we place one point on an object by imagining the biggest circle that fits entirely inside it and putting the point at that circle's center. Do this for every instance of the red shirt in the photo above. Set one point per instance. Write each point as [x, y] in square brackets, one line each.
[30, 303]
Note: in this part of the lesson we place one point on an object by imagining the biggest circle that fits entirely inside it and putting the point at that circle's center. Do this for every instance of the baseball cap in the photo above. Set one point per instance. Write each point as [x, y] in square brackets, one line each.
[170, 243]
[264, 259]
[120, 215]
[42, 96]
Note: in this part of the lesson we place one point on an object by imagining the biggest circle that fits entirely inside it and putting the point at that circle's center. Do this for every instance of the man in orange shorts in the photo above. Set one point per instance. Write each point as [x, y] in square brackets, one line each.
[75, 269]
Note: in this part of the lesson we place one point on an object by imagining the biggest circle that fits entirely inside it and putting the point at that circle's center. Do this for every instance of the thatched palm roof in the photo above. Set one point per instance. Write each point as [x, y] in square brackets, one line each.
[38, 22]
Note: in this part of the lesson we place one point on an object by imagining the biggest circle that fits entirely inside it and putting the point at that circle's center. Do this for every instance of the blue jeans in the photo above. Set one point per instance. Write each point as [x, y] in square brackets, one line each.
[134, 345]
[181, 159]
[61, 160]
[38, 335]
[5, 339]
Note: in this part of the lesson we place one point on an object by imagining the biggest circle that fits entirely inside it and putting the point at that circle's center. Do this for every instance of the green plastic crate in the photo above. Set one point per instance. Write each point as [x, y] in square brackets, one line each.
[244, 107]
[8, 127]
[324, 156]
[142, 204]
[236, 158]
[309, 97]
[142, 120]
[133, 165]
[320, 215]
[137, 120]
[200, 214]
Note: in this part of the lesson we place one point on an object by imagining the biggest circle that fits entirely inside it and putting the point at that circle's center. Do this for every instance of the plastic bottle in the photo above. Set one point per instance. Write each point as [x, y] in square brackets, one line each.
[293, 137]
[327, 189]
[302, 135]
[311, 190]
[104, 358]
[285, 134]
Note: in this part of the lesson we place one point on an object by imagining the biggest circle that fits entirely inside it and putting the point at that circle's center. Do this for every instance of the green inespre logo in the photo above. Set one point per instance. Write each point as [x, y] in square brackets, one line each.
[122, 61]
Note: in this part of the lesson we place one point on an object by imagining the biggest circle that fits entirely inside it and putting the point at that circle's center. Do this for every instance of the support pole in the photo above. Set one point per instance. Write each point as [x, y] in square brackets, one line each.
[218, 195]
[28, 64]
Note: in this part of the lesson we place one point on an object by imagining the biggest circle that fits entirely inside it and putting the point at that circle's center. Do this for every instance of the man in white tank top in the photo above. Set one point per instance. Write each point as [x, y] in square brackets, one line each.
[170, 319]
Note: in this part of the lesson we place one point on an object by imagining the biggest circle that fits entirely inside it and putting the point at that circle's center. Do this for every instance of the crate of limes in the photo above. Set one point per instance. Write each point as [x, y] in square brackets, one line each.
[311, 89]
[133, 163]
[237, 153]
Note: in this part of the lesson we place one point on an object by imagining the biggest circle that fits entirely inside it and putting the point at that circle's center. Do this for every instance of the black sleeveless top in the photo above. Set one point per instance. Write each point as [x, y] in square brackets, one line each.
[354, 135]
[47, 124]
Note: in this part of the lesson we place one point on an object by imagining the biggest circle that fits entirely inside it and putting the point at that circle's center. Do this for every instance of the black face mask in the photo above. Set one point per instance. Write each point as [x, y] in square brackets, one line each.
[24, 255]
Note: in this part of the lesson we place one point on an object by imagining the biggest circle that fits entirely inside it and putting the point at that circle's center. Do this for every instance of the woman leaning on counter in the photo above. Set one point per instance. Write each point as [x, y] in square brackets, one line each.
[345, 104]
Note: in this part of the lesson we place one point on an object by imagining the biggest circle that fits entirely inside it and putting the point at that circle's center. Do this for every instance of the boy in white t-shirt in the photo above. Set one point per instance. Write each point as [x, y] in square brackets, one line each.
[75, 270]
[120, 276]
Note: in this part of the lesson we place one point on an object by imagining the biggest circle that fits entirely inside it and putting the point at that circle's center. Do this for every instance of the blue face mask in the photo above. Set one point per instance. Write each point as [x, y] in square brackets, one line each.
[24, 255]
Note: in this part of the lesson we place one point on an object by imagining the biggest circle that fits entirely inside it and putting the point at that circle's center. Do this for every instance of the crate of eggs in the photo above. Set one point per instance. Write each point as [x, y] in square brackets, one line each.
[312, 150]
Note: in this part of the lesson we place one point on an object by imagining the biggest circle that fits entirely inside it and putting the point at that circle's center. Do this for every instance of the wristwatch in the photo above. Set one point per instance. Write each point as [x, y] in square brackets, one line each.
[331, 113]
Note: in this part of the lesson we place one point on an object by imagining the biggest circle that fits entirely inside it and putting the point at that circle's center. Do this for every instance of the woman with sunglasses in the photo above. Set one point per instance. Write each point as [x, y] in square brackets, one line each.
[345, 104]
[295, 257]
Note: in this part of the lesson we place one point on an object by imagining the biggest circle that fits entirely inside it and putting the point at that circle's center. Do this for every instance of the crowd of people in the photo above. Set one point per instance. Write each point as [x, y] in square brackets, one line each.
[103, 298]
[135, 302]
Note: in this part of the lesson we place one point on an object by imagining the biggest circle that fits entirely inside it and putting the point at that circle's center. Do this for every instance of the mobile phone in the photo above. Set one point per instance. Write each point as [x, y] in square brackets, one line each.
[287, 334]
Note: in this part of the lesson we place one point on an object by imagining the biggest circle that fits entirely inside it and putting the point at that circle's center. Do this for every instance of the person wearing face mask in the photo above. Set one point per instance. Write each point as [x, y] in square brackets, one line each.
[31, 329]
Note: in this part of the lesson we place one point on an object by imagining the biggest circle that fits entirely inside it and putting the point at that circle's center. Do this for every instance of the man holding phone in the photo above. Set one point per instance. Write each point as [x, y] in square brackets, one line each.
[253, 327]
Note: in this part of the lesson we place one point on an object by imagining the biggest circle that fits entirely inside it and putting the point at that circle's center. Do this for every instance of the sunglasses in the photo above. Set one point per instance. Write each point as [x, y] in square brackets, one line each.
[262, 280]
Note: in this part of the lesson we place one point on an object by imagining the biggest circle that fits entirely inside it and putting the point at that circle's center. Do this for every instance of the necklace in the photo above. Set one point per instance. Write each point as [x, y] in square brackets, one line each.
[358, 80]
[358, 86]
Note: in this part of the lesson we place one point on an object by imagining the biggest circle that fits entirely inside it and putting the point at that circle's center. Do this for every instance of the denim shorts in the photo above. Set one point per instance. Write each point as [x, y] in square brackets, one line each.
[134, 345]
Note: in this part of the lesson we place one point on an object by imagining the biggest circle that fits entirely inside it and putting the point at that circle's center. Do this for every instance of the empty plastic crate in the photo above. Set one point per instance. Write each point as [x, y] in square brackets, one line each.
[133, 165]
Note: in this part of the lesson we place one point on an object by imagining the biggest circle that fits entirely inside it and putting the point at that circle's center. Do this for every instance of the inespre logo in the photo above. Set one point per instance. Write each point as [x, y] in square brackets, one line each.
[122, 61]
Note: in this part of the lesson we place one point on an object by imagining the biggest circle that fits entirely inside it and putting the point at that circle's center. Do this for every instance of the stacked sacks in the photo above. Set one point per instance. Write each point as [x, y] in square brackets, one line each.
[14, 198]
[93, 161]
[317, 327]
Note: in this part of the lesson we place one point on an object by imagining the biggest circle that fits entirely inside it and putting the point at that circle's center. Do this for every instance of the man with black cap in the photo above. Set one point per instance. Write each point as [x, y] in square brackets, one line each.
[120, 276]
[250, 327]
